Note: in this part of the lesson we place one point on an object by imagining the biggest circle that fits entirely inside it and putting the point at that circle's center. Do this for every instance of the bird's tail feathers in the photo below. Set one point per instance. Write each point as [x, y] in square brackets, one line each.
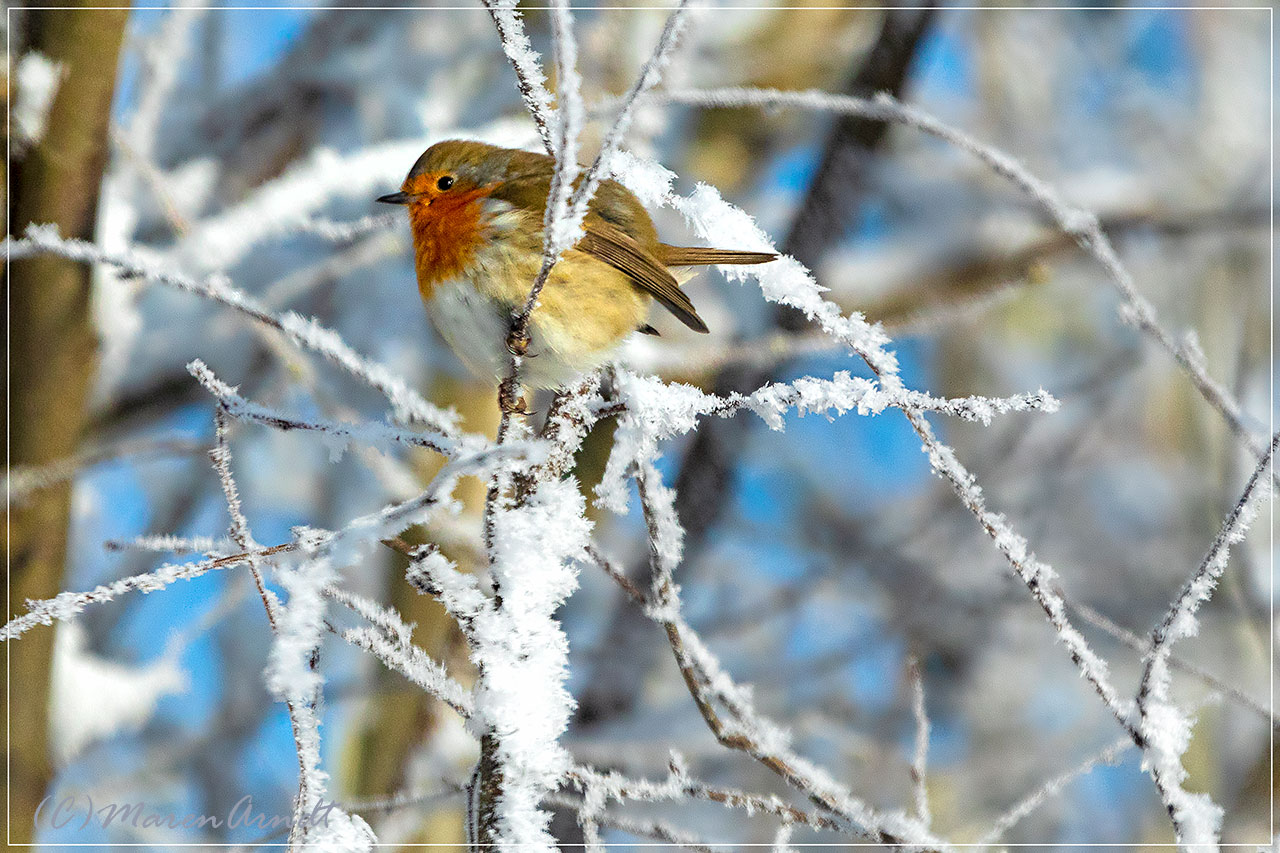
[689, 256]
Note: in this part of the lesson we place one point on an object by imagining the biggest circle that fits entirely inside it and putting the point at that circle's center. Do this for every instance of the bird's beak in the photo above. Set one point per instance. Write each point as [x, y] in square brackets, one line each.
[396, 198]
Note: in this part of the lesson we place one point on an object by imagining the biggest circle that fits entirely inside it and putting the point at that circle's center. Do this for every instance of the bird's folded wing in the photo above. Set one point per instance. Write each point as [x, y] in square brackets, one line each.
[613, 246]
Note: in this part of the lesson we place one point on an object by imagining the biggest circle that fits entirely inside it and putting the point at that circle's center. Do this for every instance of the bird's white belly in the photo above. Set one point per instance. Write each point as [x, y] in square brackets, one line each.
[476, 328]
[473, 326]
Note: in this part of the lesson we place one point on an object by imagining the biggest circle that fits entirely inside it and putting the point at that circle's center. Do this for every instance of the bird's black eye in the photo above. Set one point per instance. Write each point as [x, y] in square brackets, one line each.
[445, 182]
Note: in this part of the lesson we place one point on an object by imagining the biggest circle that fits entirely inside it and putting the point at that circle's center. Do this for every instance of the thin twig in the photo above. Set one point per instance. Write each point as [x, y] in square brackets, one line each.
[408, 404]
[23, 480]
[920, 761]
[1081, 224]
[1143, 647]
[1036, 798]
[700, 671]
[1163, 731]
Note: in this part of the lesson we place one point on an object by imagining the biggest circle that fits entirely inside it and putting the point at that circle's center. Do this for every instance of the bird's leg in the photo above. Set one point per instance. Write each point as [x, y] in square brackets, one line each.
[510, 400]
[517, 342]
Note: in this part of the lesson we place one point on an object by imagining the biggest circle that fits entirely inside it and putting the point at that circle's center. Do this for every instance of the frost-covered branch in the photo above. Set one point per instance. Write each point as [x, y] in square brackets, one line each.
[292, 203]
[286, 627]
[347, 543]
[305, 332]
[414, 664]
[744, 730]
[239, 531]
[655, 829]
[346, 231]
[569, 198]
[65, 605]
[560, 229]
[525, 60]
[787, 282]
[390, 639]
[163, 58]
[670, 409]
[340, 435]
[1164, 730]
[520, 652]
[1084, 226]
[165, 543]
[1143, 647]
[649, 77]
[679, 785]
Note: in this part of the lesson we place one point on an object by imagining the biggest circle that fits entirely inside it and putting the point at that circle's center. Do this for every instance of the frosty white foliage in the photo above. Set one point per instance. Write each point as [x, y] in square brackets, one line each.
[522, 655]
[93, 697]
[37, 79]
[408, 404]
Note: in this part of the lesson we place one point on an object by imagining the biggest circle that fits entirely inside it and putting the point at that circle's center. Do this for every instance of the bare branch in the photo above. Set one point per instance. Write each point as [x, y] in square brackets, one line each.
[1163, 731]
[920, 762]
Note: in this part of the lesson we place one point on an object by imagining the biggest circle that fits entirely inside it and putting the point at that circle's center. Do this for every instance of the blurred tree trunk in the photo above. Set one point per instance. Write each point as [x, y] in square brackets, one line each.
[52, 353]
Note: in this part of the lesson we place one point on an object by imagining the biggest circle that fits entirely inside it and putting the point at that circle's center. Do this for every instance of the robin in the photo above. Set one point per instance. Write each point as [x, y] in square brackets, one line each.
[476, 212]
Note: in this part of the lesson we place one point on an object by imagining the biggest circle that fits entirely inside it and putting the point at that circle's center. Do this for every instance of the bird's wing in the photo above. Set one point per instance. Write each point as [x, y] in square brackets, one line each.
[613, 246]
[617, 228]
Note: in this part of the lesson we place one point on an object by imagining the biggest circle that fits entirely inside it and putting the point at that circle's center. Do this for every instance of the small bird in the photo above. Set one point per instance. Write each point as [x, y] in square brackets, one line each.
[476, 212]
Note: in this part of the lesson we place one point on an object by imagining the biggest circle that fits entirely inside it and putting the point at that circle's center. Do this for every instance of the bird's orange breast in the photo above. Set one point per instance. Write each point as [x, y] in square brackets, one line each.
[447, 234]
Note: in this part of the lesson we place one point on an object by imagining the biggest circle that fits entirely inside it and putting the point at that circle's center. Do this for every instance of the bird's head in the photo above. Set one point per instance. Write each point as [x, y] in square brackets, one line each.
[452, 170]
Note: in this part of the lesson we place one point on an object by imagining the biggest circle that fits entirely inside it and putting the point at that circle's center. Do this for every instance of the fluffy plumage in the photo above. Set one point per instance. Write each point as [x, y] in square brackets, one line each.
[476, 212]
